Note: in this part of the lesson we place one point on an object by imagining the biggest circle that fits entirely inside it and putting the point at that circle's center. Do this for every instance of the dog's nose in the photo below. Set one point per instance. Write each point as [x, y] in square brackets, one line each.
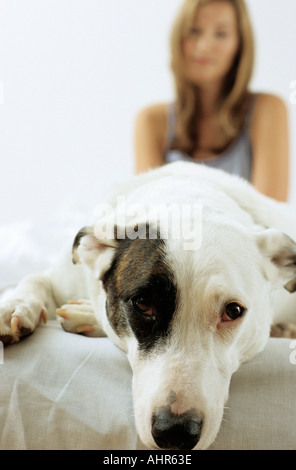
[179, 432]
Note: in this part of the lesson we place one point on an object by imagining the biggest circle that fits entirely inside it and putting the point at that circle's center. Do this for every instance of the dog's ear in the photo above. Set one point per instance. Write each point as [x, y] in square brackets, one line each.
[279, 251]
[89, 246]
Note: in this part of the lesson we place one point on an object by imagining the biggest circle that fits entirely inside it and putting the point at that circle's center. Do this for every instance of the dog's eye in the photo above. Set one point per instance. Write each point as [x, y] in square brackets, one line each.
[232, 312]
[143, 306]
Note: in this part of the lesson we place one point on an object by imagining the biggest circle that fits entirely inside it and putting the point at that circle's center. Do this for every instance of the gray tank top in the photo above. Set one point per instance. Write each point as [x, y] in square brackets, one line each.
[236, 159]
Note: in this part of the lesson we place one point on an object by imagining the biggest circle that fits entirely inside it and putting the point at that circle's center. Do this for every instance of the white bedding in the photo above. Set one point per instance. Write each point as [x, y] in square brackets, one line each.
[64, 391]
[27, 247]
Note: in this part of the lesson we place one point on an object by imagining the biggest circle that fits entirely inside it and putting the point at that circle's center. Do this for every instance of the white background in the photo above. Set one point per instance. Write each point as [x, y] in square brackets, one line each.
[74, 73]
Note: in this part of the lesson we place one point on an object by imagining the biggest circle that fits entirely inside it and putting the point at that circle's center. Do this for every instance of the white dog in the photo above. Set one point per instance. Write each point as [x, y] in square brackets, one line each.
[189, 292]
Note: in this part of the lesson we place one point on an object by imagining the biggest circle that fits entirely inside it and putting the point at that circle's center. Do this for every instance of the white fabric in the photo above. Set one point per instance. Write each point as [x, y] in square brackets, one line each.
[261, 411]
[27, 247]
[64, 391]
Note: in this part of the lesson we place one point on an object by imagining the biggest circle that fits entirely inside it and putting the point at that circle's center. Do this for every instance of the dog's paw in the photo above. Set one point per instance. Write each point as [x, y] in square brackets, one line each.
[283, 330]
[19, 318]
[77, 316]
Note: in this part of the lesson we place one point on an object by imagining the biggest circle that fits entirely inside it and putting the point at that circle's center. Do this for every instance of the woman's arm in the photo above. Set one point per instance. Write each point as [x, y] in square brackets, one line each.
[270, 142]
[150, 137]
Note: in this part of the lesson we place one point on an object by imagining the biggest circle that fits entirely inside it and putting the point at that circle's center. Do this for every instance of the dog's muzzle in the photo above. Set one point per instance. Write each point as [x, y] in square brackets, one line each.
[172, 431]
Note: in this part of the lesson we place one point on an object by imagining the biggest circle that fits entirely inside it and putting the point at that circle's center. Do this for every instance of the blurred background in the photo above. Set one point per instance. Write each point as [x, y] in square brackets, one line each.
[73, 75]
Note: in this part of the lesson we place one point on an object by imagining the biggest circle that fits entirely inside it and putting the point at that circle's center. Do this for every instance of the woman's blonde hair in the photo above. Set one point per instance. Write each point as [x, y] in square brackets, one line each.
[232, 107]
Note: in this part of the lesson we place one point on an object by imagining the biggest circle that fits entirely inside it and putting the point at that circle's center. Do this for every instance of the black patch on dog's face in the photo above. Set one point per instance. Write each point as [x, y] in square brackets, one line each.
[141, 293]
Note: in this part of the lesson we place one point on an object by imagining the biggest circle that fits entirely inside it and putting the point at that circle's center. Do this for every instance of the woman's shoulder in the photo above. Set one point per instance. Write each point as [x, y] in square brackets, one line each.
[269, 111]
[155, 113]
[270, 116]
[266, 103]
[154, 119]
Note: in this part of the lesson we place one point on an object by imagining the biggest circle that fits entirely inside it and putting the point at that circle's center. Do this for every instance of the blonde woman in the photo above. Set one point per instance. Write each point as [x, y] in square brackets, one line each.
[215, 119]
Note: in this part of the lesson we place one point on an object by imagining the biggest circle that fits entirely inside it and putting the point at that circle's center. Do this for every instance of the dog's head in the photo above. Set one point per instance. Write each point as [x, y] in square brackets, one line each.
[187, 319]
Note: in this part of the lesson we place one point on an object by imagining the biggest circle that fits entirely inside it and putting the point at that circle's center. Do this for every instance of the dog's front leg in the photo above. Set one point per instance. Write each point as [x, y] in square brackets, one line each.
[21, 314]
[78, 316]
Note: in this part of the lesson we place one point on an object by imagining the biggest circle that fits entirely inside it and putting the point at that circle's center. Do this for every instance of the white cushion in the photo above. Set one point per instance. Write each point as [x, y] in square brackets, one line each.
[65, 391]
